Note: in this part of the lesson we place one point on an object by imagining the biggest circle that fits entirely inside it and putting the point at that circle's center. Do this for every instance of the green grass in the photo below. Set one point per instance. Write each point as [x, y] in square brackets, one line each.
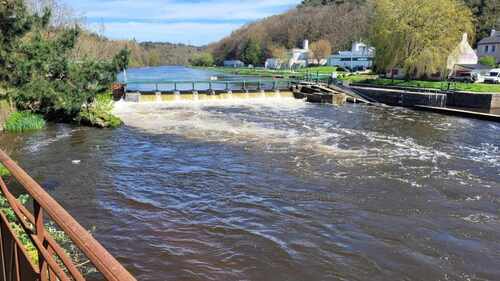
[318, 69]
[469, 87]
[263, 72]
[24, 121]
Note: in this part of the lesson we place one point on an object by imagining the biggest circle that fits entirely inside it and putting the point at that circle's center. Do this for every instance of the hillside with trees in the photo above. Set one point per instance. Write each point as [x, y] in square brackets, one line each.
[142, 54]
[337, 24]
[486, 12]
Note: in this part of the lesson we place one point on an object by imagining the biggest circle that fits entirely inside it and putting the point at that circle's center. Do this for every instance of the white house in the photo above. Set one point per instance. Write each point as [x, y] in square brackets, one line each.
[490, 46]
[233, 63]
[463, 54]
[300, 57]
[359, 57]
[273, 63]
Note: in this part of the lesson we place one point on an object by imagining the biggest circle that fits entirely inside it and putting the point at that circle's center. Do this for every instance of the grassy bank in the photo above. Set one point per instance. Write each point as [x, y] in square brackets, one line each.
[24, 121]
[260, 71]
[439, 85]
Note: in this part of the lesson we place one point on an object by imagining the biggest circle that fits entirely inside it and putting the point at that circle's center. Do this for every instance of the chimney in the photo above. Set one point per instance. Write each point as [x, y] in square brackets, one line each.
[493, 32]
[306, 44]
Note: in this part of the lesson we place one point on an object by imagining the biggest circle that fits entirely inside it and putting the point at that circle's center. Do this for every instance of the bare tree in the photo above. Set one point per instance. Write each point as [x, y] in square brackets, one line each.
[320, 50]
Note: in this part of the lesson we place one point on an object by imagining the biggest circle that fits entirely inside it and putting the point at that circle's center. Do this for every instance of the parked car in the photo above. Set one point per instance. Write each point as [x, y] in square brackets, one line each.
[468, 77]
[493, 77]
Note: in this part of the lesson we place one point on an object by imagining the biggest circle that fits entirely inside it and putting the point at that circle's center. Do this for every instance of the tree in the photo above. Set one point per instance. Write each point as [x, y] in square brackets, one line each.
[252, 53]
[487, 16]
[37, 70]
[418, 35]
[203, 59]
[321, 49]
[488, 60]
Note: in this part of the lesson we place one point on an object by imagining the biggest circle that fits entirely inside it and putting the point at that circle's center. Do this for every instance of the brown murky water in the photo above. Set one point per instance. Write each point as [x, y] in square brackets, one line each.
[277, 189]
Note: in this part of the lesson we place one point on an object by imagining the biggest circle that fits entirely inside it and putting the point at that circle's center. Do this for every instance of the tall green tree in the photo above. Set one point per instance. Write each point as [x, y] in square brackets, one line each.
[418, 35]
[486, 14]
[252, 52]
[37, 70]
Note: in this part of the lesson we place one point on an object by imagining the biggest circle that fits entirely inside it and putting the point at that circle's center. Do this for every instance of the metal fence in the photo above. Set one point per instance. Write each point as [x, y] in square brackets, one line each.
[53, 261]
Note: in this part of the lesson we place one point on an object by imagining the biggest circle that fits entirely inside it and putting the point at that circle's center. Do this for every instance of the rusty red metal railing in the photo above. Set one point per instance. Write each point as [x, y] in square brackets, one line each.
[53, 261]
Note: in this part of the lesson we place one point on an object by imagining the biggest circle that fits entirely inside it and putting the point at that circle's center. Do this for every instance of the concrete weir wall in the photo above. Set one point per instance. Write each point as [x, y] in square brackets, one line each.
[401, 98]
[473, 100]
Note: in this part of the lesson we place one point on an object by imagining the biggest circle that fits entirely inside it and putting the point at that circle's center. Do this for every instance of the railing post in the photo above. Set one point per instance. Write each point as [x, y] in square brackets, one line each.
[227, 86]
[244, 86]
[193, 87]
[175, 86]
[40, 234]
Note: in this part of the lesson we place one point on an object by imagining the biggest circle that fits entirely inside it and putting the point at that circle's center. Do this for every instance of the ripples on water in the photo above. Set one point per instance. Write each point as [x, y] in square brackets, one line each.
[277, 189]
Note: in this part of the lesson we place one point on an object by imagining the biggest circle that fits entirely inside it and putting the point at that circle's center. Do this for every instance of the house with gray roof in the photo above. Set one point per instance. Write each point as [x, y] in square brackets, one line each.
[490, 46]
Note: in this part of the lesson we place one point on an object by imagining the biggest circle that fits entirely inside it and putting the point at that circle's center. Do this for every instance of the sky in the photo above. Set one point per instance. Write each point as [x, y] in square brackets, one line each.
[195, 22]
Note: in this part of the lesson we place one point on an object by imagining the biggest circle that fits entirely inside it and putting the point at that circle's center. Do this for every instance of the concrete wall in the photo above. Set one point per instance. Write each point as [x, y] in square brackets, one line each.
[474, 100]
[400, 97]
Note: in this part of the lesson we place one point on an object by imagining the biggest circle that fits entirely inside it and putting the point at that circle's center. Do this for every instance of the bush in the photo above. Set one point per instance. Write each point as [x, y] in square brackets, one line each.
[203, 59]
[24, 121]
[98, 114]
[488, 60]
[3, 171]
[59, 236]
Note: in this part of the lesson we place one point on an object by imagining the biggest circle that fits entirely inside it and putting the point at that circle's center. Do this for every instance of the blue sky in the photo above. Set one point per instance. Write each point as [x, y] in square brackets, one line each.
[196, 22]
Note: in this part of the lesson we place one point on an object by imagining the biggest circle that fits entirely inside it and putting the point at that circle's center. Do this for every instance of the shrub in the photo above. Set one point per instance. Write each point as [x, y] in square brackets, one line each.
[203, 59]
[3, 171]
[59, 236]
[98, 114]
[488, 60]
[24, 121]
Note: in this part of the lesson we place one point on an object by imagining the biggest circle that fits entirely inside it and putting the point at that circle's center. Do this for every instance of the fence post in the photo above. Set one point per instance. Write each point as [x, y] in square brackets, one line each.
[40, 233]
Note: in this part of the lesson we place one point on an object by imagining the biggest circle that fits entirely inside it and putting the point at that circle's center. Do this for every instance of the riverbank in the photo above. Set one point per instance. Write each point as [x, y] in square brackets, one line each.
[260, 71]
[371, 79]
[421, 84]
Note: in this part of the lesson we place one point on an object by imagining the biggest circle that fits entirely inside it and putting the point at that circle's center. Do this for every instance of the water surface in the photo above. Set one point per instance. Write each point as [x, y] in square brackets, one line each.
[277, 189]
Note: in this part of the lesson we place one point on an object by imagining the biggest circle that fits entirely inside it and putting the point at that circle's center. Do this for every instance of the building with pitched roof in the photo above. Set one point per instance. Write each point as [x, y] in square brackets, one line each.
[490, 46]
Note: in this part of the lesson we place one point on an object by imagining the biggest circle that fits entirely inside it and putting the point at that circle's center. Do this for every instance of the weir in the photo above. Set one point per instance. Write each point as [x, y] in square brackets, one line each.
[167, 91]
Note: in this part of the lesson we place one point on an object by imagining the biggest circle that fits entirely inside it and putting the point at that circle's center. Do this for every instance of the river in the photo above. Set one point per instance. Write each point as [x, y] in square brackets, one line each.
[278, 189]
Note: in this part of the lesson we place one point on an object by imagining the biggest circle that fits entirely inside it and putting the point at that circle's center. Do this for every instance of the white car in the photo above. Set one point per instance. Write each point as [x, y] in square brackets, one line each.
[493, 77]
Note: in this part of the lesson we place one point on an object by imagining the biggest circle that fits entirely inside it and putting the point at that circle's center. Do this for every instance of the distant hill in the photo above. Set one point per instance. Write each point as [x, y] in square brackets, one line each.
[169, 53]
[92, 45]
[339, 24]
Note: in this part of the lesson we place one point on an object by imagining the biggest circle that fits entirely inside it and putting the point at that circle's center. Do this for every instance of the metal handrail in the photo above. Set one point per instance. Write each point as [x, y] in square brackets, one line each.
[105, 263]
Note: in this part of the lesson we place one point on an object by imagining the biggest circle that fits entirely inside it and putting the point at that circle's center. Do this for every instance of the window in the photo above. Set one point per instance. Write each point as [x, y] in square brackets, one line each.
[486, 48]
[493, 48]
